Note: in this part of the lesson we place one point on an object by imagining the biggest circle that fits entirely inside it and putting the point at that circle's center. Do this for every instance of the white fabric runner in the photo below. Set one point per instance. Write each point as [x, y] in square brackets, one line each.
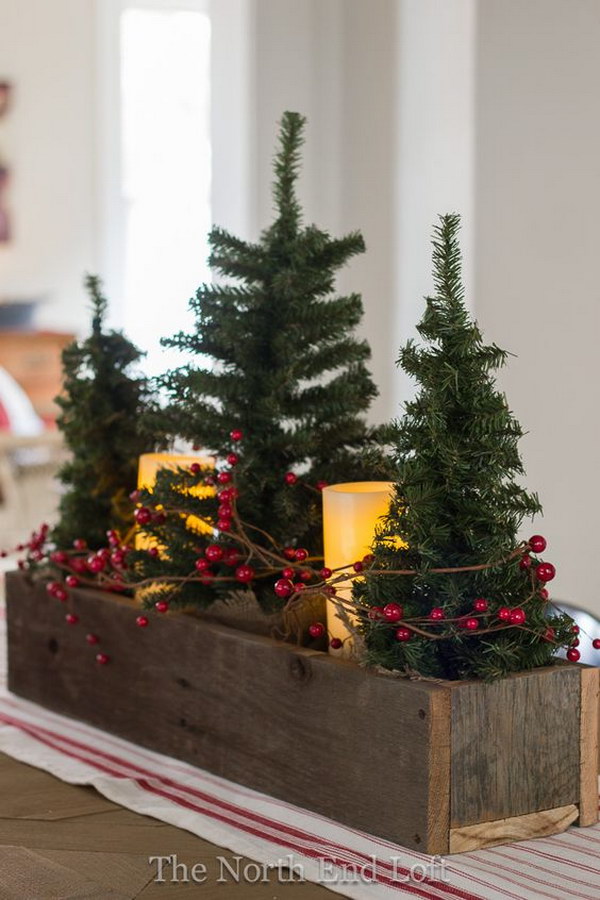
[270, 831]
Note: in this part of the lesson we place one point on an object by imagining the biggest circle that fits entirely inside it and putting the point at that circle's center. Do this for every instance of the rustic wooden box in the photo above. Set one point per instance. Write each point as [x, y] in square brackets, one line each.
[435, 767]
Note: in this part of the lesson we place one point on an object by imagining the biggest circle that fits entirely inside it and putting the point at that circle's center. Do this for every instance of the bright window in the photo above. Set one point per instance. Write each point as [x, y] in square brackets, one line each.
[165, 166]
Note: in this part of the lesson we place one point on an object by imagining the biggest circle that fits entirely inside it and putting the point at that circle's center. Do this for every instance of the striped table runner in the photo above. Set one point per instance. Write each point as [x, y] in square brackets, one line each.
[272, 832]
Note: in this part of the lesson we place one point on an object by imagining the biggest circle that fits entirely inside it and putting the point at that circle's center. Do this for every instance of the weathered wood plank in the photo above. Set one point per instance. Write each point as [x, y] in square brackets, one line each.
[515, 746]
[516, 828]
[293, 723]
[588, 802]
[438, 764]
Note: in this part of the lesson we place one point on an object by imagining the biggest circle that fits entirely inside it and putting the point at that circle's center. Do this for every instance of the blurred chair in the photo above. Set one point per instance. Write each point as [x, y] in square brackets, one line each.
[29, 459]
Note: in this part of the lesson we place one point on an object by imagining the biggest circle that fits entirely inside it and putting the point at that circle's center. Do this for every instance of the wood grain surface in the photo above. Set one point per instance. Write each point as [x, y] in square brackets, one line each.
[588, 804]
[515, 745]
[516, 828]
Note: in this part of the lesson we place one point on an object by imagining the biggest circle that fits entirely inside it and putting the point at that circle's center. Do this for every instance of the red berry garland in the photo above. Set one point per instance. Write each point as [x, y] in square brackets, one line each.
[316, 630]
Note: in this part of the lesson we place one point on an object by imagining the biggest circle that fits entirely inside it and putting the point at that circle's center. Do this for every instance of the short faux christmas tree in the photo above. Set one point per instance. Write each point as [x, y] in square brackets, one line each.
[476, 603]
[275, 359]
[102, 407]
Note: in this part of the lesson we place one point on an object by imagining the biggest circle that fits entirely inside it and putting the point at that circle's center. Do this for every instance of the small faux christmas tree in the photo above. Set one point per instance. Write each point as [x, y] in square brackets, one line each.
[476, 603]
[101, 410]
[276, 363]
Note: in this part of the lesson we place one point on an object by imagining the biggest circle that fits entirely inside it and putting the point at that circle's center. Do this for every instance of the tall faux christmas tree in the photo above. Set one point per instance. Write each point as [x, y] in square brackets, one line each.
[101, 410]
[276, 363]
[471, 601]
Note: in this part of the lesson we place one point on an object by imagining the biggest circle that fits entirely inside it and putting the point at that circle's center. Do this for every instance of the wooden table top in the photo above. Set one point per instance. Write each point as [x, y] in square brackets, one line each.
[60, 841]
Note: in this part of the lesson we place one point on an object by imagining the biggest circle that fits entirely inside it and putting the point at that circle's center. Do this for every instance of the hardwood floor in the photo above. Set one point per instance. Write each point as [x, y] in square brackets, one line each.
[59, 841]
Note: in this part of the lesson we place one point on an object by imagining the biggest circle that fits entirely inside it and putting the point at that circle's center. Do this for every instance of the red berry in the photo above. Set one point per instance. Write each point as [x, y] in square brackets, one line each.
[316, 630]
[525, 562]
[224, 525]
[504, 613]
[231, 557]
[376, 612]
[538, 543]
[543, 594]
[368, 559]
[92, 638]
[225, 511]
[233, 459]
[471, 624]
[96, 564]
[225, 495]
[517, 616]
[320, 485]
[392, 612]
[575, 629]
[288, 572]
[335, 643]
[78, 565]
[596, 643]
[142, 621]
[202, 564]
[102, 659]
[244, 574]
[72, 581]
[437, 613]
[195, 468]
[290, 478]
[480, 604]
[214, 553]
[289, 553]
[236, 434]
[573, 655]
[80, 544]
[153, 551]
[300, 554]
[330, 590]
[325, 573]
[403, 634]
[59, 557]
[161, 606]
[142, 515]
[61, 594]
[224, 477]
[283, 587]
[52, 587]
[358, 566]
[299, 586]
[545, 572]
[71, 619]
[549, 635]
[575, 643]
[306, 575]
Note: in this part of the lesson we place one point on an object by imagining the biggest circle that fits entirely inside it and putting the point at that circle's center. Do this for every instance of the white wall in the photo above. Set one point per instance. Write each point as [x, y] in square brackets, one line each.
[46, 50]
[538, 233]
